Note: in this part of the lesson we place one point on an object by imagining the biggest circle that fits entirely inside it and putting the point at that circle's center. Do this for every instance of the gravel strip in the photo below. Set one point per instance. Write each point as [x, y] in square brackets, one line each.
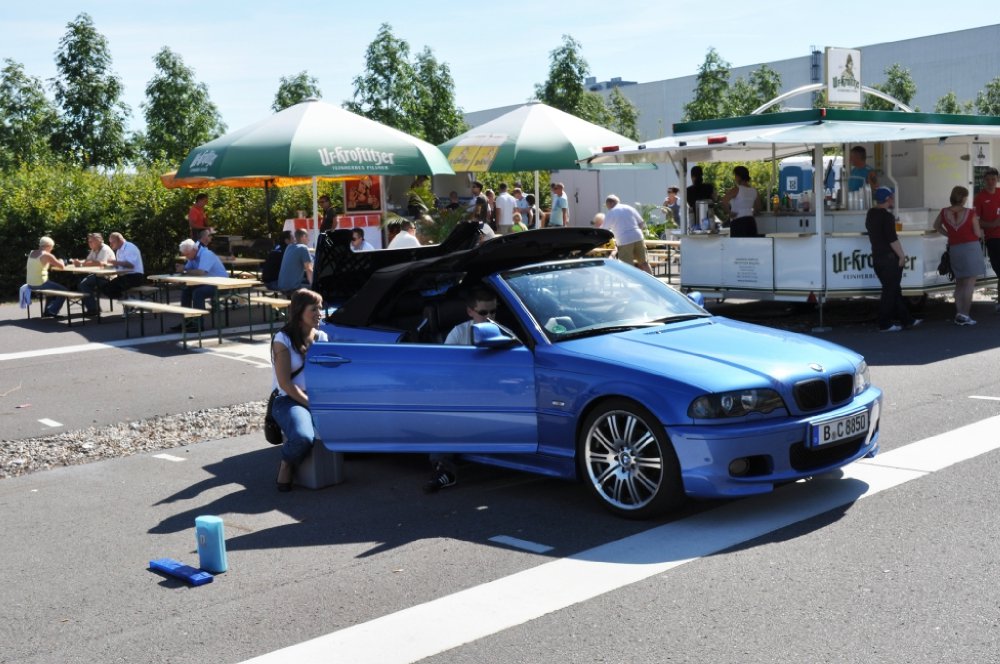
[70, 448]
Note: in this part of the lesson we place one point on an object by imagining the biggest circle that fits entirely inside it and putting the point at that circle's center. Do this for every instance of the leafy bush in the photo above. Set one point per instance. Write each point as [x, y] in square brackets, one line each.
[66, 202]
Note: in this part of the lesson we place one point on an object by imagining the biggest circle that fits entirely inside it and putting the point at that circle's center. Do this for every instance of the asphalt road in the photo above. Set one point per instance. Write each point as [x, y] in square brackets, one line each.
[907, 573]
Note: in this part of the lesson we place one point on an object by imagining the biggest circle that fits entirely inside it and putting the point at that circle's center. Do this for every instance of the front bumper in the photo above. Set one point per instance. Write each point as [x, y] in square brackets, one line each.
[768, 452]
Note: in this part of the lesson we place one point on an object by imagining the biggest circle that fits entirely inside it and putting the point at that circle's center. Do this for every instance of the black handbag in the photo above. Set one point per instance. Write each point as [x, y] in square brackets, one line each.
[272, 432]
[944, 266]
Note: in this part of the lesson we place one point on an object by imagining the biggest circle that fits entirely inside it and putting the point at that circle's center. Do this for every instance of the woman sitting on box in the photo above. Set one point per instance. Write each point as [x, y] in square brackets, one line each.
[291, 406]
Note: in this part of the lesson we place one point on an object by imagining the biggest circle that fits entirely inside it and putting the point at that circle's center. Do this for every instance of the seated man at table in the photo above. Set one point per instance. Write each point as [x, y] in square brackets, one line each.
[271, 268]
[205, 237]
[99, 255]
[128, 270]
[201, 262]
[296, 264]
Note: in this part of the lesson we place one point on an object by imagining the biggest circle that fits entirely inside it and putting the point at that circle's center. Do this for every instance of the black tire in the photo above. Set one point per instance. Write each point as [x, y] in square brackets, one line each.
[627, 462]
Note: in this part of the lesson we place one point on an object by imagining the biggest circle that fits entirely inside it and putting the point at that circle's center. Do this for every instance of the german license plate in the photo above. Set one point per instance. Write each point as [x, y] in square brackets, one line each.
[832, 431]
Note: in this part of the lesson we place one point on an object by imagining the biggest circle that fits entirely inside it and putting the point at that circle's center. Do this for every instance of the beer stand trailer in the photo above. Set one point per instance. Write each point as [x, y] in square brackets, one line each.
[823, 252]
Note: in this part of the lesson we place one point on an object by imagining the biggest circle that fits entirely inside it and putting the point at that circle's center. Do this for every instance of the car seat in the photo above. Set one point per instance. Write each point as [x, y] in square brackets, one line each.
[440, 317]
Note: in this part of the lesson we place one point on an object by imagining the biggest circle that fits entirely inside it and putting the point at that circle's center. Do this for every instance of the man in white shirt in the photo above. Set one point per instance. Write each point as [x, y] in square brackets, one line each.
[505, 204]
[522, 204]
[127, 264]
[626, 223]
[481, 305]
[100, 255]
[407, 237]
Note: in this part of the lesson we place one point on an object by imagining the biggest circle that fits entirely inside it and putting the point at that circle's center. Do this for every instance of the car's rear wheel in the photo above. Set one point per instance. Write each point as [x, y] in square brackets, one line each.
[627, 461]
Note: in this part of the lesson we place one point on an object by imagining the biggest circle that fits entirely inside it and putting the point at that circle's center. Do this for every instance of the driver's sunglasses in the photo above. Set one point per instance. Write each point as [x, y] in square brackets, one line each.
[486, 312]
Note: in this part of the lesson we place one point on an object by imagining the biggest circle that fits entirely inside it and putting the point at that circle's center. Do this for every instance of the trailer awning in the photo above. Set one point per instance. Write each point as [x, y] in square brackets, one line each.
[763, 137]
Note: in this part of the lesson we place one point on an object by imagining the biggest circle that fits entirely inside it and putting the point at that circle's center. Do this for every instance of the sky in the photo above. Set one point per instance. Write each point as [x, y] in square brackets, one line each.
[496, 52]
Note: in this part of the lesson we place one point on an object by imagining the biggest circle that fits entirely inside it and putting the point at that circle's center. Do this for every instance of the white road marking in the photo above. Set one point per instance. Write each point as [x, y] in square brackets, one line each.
[427, 629]
[256, 354]
[985, 398]
[50, 423]
[142, 341]
[169, 457]
[534, 547]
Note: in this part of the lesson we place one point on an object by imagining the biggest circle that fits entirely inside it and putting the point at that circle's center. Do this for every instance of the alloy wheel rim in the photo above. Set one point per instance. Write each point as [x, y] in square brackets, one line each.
[624, 460]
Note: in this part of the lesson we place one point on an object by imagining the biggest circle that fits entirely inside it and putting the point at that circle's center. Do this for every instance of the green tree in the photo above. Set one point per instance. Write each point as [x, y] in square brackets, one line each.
[745, 96]
[988, 99]
[593, 109]
[898, 84]
[92, 122]
[385, 92]
[623, 116]
[710, 91]
[294, 89]
[950, 104]
[563, 89]
[439, 118]
[27, 118]
[179, 114]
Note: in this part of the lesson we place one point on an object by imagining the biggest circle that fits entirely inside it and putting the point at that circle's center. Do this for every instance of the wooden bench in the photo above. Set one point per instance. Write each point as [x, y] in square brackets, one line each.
[159, 308]
[274, 304]
[72, 297]
[146, 292]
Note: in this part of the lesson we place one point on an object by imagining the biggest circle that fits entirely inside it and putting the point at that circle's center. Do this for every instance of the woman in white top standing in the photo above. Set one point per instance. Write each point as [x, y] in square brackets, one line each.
[291, 406]
[743, 203]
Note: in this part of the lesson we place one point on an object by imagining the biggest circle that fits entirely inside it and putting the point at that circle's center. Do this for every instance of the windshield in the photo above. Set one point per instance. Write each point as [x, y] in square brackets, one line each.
[583, 298]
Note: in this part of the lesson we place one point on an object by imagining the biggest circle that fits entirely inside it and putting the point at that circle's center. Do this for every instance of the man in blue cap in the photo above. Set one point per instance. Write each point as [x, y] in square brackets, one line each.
[889, 260]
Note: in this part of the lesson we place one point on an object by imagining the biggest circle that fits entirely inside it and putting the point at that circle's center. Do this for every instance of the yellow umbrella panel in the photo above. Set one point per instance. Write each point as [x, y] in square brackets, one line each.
[171, 181]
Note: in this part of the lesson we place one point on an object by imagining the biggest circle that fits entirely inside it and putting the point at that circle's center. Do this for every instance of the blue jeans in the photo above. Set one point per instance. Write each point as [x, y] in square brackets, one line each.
[91, 284]
[296, 423]
[52, 304]
[196, 295]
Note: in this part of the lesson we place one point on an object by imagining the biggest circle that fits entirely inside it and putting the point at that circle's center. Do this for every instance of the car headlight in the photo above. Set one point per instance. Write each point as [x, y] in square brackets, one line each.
[862, 379]
[735, 404]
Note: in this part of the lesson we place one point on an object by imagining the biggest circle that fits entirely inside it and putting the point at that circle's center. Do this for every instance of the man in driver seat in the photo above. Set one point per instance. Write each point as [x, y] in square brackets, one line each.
[481, 305]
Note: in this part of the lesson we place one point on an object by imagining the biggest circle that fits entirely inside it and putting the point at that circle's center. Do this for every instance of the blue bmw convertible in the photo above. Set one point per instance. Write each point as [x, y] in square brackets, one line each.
[589, 370]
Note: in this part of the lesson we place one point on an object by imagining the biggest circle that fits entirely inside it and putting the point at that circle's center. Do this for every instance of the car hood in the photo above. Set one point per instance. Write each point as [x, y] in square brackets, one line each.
[718, 354]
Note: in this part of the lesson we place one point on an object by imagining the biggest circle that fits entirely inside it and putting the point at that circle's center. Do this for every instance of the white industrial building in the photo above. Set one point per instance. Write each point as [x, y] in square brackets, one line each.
[962, 62]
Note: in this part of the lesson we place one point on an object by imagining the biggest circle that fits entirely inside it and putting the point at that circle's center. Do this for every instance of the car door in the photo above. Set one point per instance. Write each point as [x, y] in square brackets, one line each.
[423, 397]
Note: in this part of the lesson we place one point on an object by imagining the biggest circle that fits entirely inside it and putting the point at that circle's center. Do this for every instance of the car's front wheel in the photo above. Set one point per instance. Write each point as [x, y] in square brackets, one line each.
[627, 461]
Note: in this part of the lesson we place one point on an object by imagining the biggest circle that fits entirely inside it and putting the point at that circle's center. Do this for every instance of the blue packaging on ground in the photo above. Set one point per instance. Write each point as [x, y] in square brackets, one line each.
[195, 577]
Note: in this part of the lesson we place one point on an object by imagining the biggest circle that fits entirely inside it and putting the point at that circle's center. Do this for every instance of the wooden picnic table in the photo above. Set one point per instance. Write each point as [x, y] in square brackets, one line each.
[665, 249]
[220, 284]
[90, 269]
[232, 262]
[242, 262]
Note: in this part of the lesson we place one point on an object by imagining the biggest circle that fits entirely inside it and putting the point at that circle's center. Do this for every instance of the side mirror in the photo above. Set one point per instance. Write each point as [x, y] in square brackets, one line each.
[697, 298]
[490, 335]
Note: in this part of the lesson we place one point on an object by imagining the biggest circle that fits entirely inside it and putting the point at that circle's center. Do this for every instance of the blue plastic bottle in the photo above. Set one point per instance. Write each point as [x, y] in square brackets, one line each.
[211, 544]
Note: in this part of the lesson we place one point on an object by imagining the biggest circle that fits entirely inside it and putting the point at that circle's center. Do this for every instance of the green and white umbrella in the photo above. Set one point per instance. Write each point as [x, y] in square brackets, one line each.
[534, 137]
[314, 139]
